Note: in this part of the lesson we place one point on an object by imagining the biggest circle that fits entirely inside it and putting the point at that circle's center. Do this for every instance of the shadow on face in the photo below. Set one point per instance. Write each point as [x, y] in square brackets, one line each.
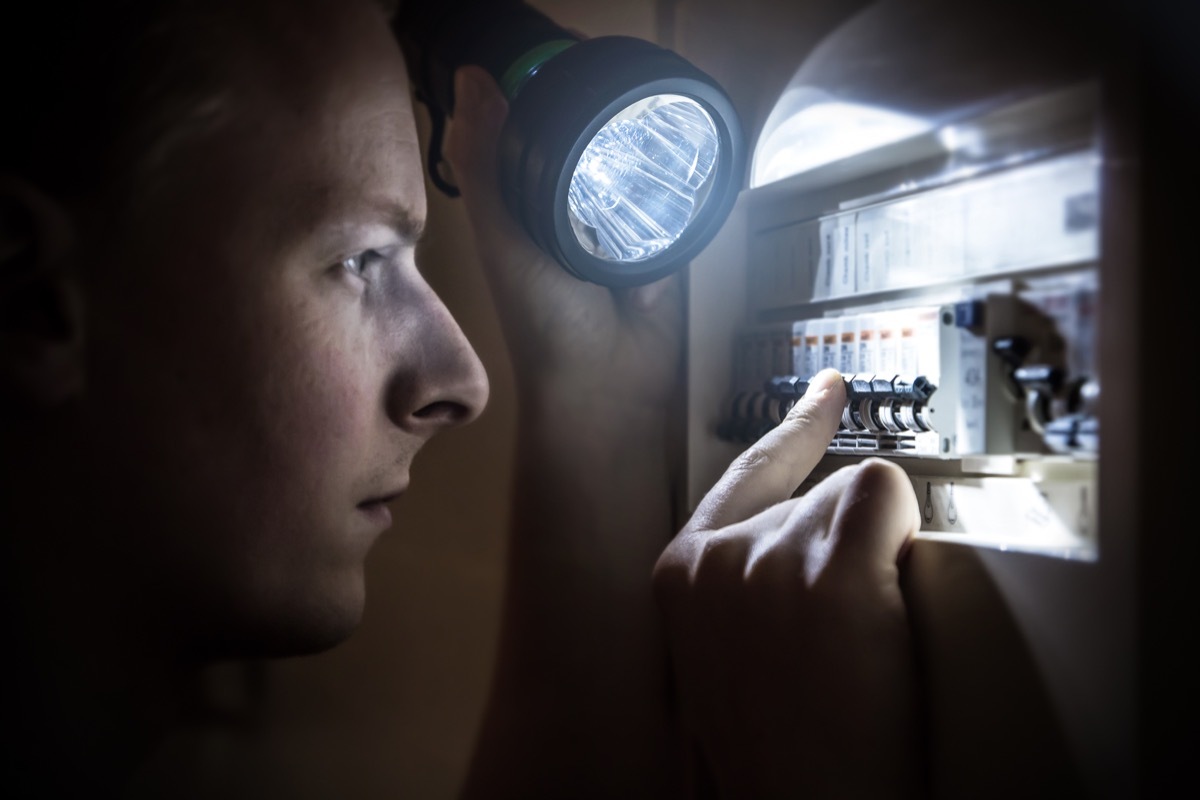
[228, 355]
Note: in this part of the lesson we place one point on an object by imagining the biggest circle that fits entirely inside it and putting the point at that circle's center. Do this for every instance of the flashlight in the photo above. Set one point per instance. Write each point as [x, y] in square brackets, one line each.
[619, 157]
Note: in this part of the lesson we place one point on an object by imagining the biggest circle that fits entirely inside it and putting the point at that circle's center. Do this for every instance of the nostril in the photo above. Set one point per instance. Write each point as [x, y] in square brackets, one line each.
[443, 411]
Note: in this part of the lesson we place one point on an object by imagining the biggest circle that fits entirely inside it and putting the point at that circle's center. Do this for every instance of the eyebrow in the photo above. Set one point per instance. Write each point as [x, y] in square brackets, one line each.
[404, 221]
[393, 214]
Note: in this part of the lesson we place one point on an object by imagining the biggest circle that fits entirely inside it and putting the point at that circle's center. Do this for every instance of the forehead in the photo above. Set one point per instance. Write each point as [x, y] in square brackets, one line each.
[333, 105]
[317, 120]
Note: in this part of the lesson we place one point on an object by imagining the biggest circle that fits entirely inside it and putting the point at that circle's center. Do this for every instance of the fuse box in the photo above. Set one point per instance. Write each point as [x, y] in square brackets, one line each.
[952, 278]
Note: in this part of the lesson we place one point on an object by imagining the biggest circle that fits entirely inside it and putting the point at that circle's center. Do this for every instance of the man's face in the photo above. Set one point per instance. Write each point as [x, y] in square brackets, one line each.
[264, 359]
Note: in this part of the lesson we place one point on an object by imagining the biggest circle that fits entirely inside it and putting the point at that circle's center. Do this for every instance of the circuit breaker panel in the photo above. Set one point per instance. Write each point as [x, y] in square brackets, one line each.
[952, 278]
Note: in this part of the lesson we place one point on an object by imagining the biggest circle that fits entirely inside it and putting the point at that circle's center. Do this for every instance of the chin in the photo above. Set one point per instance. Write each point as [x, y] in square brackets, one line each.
[319, 626]
[313, 635]
[310, 622]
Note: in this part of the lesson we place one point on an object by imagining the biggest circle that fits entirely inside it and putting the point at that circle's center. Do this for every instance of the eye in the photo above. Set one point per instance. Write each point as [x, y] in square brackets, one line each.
[361, 263]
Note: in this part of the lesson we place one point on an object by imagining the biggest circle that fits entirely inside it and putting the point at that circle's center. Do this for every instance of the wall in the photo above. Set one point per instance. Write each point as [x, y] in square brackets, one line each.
[753, 47]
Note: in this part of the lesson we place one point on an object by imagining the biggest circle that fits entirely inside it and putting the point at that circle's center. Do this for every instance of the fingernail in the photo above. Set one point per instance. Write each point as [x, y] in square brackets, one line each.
[476, 91]
[823, 381]
[466, 87]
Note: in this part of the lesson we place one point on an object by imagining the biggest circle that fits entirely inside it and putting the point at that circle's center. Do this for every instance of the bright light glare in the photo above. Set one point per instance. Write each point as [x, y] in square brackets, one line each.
[643, 178]
[823, 132]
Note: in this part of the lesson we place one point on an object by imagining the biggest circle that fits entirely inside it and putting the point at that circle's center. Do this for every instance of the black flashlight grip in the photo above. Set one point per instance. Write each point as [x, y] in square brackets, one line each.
[438, 37]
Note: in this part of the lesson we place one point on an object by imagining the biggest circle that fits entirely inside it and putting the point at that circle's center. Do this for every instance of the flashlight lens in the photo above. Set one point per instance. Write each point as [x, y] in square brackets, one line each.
[643, 178]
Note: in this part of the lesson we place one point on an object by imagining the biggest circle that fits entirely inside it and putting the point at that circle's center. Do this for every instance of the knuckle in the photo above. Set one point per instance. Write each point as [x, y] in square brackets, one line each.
[702, 570]
[765, 573]
[800, 416]
[717, 560]
[671, 575]
[753, 458]
[877, 479]
[780, 564]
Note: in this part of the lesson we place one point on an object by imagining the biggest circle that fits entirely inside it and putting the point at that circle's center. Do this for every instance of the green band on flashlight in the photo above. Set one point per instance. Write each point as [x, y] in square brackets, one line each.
[523, 68]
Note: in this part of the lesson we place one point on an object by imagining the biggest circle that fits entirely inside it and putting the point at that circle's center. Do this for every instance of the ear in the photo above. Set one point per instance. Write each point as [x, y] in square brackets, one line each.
[41, 308]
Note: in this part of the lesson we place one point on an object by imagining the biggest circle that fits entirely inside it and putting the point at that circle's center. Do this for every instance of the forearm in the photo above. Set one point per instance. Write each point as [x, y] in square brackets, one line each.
[580, 697]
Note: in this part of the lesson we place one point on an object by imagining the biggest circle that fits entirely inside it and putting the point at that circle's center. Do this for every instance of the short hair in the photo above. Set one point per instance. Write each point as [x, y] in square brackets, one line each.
[95, 93]
[91, 88]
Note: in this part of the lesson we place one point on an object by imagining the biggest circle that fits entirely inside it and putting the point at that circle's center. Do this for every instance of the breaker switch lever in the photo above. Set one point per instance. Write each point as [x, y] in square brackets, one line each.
[1039, 383]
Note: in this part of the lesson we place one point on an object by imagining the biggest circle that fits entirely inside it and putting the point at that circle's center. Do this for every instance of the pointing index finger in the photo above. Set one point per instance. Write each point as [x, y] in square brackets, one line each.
[769, 471]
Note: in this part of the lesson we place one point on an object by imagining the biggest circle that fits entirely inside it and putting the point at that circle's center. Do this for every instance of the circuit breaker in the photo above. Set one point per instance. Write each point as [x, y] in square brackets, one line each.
[952, 278]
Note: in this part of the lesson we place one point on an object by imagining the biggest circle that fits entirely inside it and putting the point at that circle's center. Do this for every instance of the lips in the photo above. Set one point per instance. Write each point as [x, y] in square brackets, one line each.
[376, 508]
[377, 511]
[383, 499]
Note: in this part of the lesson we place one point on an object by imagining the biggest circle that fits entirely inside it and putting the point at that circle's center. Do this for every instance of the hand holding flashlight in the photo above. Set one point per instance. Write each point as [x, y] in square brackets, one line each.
[579, 341]
[619, 158]
[579, 693]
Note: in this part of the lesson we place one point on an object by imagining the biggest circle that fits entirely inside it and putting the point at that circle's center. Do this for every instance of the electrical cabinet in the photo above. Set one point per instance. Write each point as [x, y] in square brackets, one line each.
[955, 274]
[955, 286]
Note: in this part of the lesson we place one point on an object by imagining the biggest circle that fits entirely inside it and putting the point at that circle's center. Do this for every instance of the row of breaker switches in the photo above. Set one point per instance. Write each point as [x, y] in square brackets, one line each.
[875, 404]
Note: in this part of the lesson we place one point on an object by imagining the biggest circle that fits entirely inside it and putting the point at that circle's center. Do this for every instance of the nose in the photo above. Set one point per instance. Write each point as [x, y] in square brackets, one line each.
[442, 382]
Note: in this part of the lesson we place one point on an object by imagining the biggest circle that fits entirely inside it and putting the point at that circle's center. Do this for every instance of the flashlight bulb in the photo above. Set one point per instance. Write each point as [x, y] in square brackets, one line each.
[643, 178]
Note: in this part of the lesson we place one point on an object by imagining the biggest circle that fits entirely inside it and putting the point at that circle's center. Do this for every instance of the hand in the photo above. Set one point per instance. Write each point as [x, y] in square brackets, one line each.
[566, 336]
[579, 705]
[786, 623]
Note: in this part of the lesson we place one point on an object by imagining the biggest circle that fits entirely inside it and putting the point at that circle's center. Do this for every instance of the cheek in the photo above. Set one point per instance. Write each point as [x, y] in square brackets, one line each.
[322, 385]
[269, 392]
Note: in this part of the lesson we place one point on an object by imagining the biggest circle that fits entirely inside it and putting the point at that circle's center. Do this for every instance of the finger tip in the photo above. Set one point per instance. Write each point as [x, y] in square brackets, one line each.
[826, 380]
[476, 94]
[825, 392]
[469, 76]
[464, 87]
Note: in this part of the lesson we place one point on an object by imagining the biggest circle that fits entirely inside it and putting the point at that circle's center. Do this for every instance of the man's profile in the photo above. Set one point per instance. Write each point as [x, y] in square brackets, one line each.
[230, 358]
[218, 360]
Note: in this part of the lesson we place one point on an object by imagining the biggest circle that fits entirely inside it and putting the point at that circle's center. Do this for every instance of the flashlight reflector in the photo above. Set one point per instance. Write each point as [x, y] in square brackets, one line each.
[640, 181]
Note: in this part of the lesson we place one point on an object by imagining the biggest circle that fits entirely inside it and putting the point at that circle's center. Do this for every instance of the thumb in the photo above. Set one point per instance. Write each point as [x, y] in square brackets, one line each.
[769, 471]
[508, 256]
